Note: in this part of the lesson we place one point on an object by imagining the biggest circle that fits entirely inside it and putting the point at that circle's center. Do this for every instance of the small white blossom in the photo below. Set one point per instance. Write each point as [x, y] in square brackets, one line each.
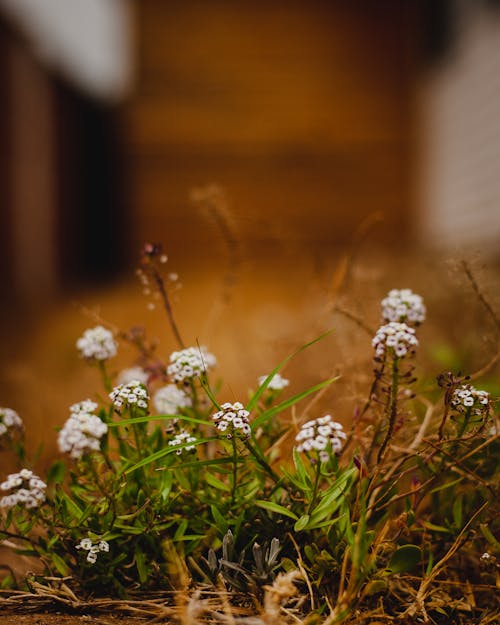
[277, 382]
[93, 548]
[86, 406]
[97, 343]
[132, 394]
[9, 420]
[233, 418]
[466, 398]
[394, 338]
[181, 438]
[169, 399]
[402, 305]
[82, 432]
[27, 489]
[190, 363]
[131, 374]
[321, 435]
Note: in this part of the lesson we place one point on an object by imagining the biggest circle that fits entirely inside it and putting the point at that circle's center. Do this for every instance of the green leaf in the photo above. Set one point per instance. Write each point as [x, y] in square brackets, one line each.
[141, 564]
[60, 564]
[267, 414]
[155, 417]
[201, 463]
[130, 529]
[436, 528]
[405, 558]
[301, 523]
[181, 530]
[487, 533]
[375, 586]
[56, 473]
[216, 483]
[73, 509]
[275, 507]
[220, 521]
[257, 395]
[446, 485]
[158, 455]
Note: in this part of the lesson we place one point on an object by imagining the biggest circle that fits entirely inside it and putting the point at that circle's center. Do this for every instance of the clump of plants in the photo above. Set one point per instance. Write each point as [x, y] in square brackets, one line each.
[166, 478]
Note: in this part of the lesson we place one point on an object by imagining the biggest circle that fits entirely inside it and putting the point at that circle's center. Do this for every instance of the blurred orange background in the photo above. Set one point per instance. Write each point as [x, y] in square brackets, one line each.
[290, 156]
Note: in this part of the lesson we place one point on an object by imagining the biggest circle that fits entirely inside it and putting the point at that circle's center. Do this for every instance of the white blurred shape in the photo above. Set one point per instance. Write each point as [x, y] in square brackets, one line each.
[460, 138]
[88, 41]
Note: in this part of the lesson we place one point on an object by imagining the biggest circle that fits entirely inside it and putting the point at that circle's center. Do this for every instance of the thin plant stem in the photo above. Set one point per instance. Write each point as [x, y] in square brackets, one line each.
[235, 469]
[392, 409]
[315, 487]
[105, 376]
[168, 307]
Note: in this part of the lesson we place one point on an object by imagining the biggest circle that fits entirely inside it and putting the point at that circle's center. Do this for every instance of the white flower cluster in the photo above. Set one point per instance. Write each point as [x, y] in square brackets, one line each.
[131, 374]
[97, 343]
[181, 438]
[403, 305]
[28, 490]
[93, 548]
[396, 338]
[132, 394]
[233, 418]
[277, 382]
[190, 363]
[9, 419]
[83, 430]
[467, 398]
[318, 434]
[168, 399]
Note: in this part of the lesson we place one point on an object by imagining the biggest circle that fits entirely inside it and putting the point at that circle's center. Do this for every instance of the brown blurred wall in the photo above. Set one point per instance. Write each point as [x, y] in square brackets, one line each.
[302, 111]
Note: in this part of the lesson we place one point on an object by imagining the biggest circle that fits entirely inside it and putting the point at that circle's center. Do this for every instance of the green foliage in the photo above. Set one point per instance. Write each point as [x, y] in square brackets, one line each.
[389, 503]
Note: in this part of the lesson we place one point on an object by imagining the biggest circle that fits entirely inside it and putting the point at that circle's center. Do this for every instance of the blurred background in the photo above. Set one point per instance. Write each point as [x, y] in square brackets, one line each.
[295, 158]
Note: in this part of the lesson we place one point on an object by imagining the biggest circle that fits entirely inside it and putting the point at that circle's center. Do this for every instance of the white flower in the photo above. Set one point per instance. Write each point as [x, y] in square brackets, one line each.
[233, 417]
[181, 438]
[277, 382]
[27, 489]
[190, 363]
[103, 546]
[85, 544]
[131, 374]
[169, 399]
[132, 394]
[93, 548]
[396, 339]
[466, 398]
[82, 432]
[320, 433]
[9, 420]
[403, 305]
[86, 406]
[97, 343]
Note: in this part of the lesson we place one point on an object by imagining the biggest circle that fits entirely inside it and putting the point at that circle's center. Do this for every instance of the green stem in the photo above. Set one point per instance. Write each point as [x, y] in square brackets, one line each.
[235, 468]
[257, 454]
[392, 408]
[105, 377]
[315, 487]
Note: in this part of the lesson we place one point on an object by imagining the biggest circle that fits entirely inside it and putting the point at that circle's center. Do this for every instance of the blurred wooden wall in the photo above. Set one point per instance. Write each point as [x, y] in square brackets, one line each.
[302, 110]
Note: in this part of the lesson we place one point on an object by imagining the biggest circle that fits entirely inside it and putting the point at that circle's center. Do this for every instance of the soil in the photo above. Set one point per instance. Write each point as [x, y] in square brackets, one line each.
[65, 619]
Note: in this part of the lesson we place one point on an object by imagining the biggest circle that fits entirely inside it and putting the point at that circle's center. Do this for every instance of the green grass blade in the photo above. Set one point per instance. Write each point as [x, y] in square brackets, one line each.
[275, 507]
[258, 393]
[158, 455]
[290, 402]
